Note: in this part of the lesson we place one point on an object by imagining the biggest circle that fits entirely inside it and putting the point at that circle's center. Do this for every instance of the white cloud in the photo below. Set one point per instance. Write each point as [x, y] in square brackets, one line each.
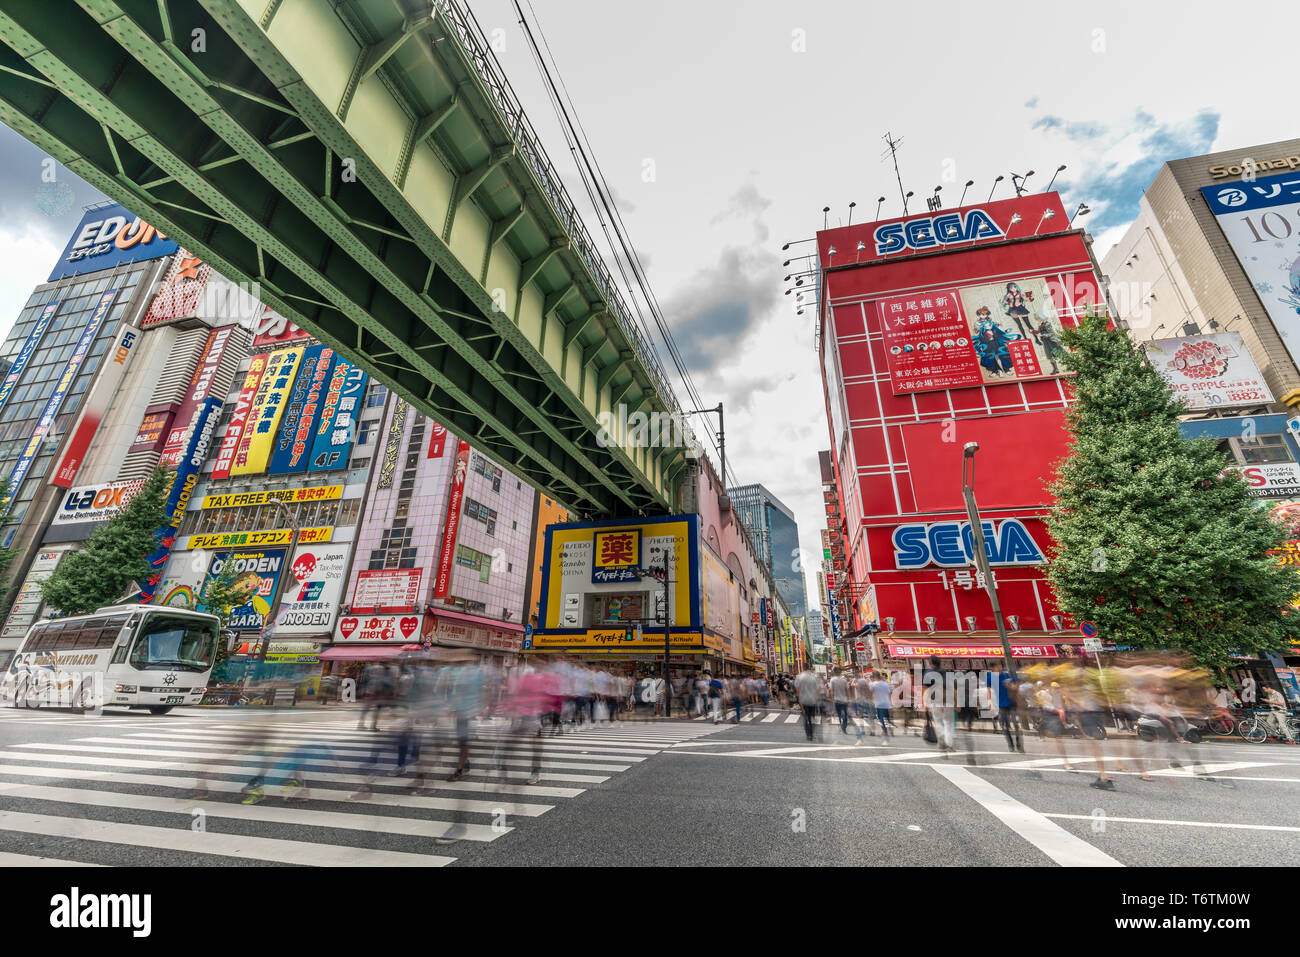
[27, 256]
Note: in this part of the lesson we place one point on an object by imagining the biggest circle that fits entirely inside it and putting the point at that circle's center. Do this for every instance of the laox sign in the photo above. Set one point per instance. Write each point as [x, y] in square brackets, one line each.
[952, 544]
[931, 231]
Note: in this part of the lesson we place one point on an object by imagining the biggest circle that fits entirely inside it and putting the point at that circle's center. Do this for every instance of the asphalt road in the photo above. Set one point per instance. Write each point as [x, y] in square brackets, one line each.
[118, 789]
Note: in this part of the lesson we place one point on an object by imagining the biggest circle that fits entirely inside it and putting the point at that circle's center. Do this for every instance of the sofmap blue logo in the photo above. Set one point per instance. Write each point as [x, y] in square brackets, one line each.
[952, 544]
[931, 231]
[1261, 193]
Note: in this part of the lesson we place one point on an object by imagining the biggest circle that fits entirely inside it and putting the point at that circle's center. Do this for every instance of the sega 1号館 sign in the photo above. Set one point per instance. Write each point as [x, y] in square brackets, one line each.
[952, 544]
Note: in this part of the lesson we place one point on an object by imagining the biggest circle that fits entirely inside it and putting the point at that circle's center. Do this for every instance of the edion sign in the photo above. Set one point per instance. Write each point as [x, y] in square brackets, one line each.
[952, 544]
[109, 236]
[931, 231]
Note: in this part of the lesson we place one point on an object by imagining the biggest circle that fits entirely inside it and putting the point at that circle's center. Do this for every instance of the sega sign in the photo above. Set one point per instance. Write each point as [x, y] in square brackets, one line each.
[929, 232]
[952, 544]
[109, 236]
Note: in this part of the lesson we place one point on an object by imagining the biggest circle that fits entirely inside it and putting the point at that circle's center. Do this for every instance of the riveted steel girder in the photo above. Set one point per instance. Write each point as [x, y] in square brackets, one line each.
[217, 154]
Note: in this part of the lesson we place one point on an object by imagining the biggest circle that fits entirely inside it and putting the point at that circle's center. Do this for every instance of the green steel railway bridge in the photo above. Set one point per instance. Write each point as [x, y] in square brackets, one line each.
[366, 164]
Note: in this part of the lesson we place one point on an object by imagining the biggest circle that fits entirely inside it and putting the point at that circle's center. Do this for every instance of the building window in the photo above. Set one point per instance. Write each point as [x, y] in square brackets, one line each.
[378, 393]
[1263, 450]
[365, 430]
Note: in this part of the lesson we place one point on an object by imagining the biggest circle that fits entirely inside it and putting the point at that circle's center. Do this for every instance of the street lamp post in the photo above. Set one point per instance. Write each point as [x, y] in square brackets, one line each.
[268, 626]
[981, 556]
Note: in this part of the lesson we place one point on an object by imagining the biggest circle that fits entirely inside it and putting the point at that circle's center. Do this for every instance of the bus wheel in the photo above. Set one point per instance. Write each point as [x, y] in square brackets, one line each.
[85, 700]
[159, 708]
[32, 699]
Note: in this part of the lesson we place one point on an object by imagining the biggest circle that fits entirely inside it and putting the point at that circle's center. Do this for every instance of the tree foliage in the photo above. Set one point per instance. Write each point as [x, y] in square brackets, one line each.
[114, 557]
[1152, 541]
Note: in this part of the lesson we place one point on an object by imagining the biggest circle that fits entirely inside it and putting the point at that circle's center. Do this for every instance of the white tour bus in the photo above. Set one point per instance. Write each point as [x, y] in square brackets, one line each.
[132, 656]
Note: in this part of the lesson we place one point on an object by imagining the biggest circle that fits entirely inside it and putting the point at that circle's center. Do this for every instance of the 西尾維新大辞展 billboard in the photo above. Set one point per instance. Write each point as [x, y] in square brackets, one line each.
[971, 335]
[337, 426]
[293, 446]
[1261, 220]
[109, 236]
[255, 444]
[1209, 372]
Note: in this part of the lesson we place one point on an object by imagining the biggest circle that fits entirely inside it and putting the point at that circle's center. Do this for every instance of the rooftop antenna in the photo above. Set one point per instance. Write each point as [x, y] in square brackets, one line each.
[893, 146]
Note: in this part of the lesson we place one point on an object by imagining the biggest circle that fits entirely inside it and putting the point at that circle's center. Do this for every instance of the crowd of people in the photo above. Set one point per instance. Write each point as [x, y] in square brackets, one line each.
[428, 707]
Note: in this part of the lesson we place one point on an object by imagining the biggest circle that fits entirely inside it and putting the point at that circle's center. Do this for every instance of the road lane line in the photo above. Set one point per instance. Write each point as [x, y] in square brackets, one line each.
[294, 814]
[176, 782]
[1050, 838]
[247, 768]
[1150, 820]
[23, 860]
[215, 843]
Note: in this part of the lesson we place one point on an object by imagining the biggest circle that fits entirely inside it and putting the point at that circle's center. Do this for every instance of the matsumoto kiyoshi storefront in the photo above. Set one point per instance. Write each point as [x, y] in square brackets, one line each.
[599, 605]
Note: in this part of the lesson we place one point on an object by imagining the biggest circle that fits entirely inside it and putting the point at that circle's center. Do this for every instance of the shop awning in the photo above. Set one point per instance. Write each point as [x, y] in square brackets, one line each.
[474, 620]
[365, 653]
[919, 650]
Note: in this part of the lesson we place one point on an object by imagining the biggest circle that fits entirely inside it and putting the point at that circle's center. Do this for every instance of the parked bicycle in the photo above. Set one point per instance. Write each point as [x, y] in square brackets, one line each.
[1259, 726]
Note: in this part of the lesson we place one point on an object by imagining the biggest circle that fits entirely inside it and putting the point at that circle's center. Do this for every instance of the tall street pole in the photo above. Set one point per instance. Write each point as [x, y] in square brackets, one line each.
[668, 619]
[981, 556]
[268, 626]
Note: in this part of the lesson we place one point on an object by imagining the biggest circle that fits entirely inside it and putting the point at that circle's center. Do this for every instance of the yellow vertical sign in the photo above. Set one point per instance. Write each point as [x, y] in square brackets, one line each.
[263, 422]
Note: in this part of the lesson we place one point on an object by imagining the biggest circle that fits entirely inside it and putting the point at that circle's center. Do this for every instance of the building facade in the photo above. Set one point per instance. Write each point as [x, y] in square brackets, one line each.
[776, 533]
[944, 328]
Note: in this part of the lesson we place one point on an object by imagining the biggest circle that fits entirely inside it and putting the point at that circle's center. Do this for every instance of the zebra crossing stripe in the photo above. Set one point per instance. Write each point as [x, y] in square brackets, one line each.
[24, 860]
[794, 719]
[610, 751]
[216, 750]
[771, 717]
[272, 849]
[248, 768]
[371, 823]
[359, 750]
[383, 798]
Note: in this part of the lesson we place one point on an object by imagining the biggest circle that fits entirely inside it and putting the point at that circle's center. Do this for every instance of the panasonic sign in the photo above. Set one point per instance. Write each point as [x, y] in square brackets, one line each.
[933, 231]
[952, 544]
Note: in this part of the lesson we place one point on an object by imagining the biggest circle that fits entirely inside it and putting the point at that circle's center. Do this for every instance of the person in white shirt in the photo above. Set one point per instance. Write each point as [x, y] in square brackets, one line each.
[881, 690]
[839, 688]
[808, 690]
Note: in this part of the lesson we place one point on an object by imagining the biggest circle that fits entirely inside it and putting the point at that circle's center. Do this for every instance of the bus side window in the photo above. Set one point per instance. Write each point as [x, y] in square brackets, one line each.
[35, 639]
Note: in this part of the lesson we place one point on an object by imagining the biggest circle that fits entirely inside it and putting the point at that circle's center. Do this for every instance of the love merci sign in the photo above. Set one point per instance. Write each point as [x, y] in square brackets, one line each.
[378, 628]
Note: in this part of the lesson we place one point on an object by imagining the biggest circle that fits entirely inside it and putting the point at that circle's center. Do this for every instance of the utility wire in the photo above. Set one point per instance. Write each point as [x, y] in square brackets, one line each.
[601, 197]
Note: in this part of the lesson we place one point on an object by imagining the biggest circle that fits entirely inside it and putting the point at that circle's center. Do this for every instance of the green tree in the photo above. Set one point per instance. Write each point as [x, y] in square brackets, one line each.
[1150, 541]
[220, 596]
[114, 557]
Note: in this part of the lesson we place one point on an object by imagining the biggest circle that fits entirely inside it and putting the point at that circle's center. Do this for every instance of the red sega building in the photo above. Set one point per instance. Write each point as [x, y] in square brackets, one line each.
[940, 329]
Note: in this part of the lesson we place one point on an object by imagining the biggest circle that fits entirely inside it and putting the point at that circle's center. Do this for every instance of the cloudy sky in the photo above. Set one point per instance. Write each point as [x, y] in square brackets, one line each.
[725, 127]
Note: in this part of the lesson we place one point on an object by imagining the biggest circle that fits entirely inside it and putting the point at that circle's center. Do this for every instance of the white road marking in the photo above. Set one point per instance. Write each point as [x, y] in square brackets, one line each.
[1050, 838]
[386, 798]
[370, 823]
[1150, 820]
[771, 717]
[215, 843]
[23, 860]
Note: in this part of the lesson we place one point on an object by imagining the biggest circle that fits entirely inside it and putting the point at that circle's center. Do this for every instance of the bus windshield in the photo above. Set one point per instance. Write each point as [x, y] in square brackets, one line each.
[174, 642]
